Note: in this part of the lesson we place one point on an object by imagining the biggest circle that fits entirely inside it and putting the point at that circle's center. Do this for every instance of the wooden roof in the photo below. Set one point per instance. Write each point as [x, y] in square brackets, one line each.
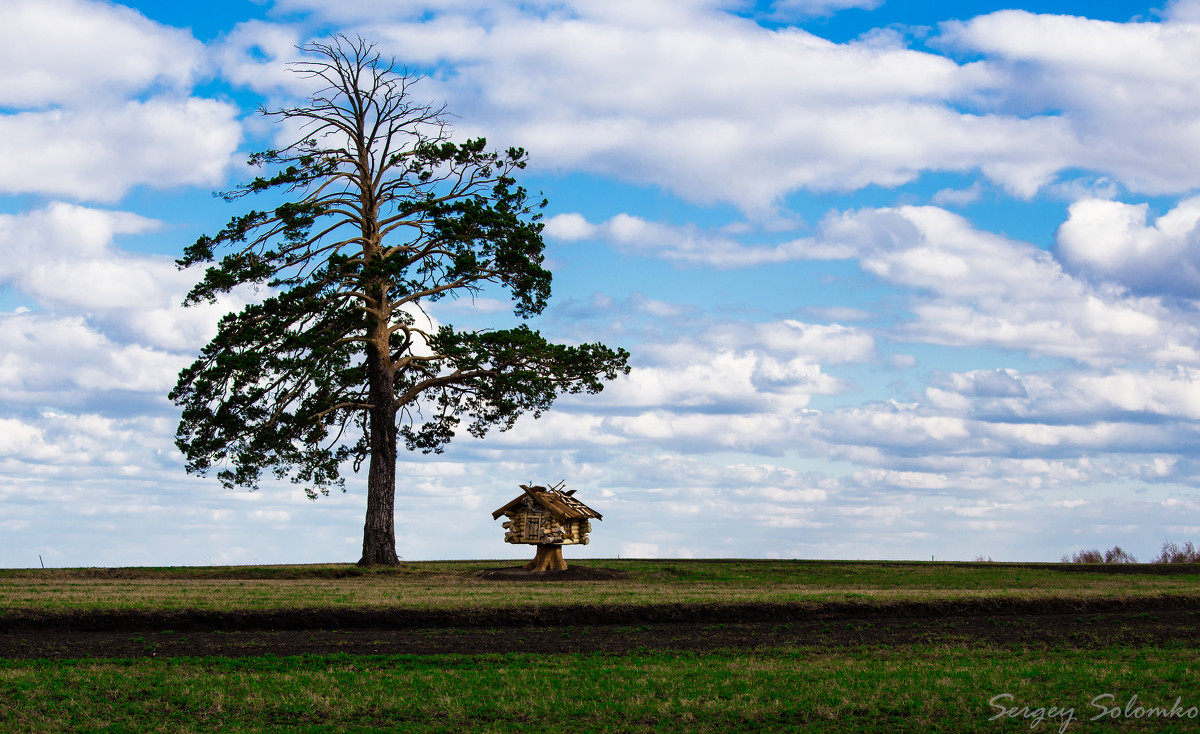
[559, 503]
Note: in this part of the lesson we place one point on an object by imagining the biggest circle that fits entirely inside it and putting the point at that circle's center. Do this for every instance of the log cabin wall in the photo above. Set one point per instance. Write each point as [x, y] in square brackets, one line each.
[541, 527]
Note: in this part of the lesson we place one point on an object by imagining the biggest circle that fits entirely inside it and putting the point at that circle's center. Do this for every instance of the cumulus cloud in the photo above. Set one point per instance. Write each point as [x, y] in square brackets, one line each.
[257, 54]
[734, 368]
[50, 360]
[796, 9]
[922, 451]
[987, 384]
[1006, 434]
[958, 197]
[974, 288]
[703, 496]
[95, 101]
[67, 52]
[1183, 10]
[968, 287]
[791, 513]
[84, 377]
[825, 343]
[687, 245]
[99, 154]
[63, 257]
[1112, 241]
[1127, 92]
[732, 386]
[55, 442]
[725, 382]
[633, 93]
[898, 427]
[1153, 395]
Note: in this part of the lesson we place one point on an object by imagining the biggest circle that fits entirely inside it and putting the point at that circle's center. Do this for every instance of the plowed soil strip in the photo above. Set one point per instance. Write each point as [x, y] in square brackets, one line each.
[1167, 621]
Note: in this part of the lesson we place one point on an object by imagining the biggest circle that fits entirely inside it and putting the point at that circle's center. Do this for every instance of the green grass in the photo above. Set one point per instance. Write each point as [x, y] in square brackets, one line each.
[926, 689]
[454, 585]
[943, 688]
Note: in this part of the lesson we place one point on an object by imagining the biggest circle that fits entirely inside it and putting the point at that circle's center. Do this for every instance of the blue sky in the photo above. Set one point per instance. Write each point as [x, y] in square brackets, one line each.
[901, 280]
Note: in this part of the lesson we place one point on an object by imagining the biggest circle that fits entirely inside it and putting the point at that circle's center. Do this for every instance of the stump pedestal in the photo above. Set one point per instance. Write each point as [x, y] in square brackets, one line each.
[549, 558]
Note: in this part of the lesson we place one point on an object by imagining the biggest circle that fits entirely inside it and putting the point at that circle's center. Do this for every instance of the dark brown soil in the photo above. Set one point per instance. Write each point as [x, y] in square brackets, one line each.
[573, 573]
[609, 629]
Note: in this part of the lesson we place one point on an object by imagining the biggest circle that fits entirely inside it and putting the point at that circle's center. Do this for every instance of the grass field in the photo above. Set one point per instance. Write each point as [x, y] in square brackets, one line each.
[796, 687]
[943, 689]
[454, 585]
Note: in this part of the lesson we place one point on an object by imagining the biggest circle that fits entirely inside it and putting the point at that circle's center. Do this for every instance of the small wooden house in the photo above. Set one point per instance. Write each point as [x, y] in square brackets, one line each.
[549, 518]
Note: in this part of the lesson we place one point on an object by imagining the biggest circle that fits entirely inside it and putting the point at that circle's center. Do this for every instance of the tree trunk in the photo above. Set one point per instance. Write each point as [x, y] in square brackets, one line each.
[548, 558]
[379, 530]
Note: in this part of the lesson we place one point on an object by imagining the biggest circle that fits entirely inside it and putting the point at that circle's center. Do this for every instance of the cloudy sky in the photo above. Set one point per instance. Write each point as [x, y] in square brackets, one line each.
[900, 279]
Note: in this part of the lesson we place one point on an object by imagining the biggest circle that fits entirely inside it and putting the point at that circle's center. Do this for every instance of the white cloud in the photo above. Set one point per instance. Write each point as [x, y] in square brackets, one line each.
[1127, 92]
[724, 382]
[966, 287]
[974, 288]
[1006, 433]
[18, 438]
[66, 52]
[63, 257]
[795, 9]
[1187, 11]
[640, 550]
[557, 430]
[1148, 395]
[56, 444]
[899, 427]
[95, 102]
[257, 54]
[687, 245]
[734, 386]
[100, 153]
[1112, 241]
[632, 91]
[786, 110]
[826, 343]
[958, 197]
[758, 374]
[50, 360]
[570, 227]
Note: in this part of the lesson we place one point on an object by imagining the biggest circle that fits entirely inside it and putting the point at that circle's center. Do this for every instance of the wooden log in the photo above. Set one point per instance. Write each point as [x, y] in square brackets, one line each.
[548, 558]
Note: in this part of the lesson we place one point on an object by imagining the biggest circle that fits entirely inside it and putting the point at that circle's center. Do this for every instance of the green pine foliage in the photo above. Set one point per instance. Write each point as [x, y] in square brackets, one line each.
[382, 214]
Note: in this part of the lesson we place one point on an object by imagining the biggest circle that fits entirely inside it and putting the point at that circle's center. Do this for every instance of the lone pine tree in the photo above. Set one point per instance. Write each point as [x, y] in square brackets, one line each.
[382, 214]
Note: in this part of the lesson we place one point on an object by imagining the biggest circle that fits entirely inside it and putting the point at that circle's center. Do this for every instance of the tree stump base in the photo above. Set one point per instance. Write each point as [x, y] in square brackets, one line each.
[548, 558]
